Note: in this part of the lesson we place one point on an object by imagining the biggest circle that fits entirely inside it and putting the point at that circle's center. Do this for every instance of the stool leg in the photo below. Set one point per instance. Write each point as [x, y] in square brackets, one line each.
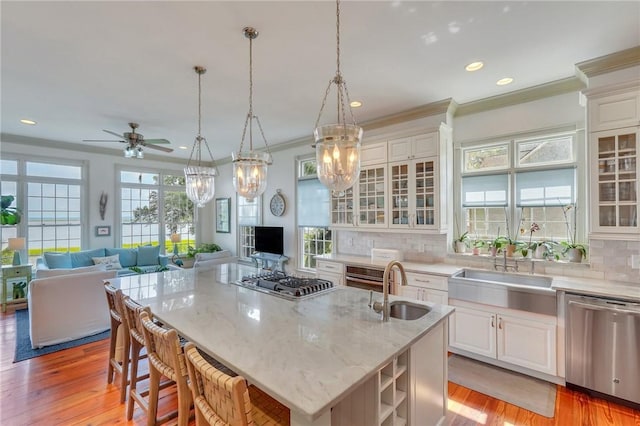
[124, 374]
[135, 358]
[112, 348]
[154, 390]
[184, 402]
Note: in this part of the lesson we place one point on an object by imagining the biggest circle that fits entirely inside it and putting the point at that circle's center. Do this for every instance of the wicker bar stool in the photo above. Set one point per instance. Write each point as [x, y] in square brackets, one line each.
[221, 399]
[166, 358]
[118, 326]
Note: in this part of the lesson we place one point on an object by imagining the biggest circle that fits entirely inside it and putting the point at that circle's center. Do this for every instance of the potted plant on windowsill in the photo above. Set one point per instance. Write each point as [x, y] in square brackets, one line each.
[461, 243]
[477, 246]
[529, 247]
[497, 244]
[9, 215]
[572, 250]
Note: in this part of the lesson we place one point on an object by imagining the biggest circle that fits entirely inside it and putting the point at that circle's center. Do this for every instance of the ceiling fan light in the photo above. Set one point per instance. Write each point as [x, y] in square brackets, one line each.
[338, 155]
[250, 173]
[140, 153]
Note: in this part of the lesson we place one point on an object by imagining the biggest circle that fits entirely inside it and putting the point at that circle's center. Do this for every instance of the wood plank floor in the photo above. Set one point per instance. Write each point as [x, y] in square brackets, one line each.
[70, 388]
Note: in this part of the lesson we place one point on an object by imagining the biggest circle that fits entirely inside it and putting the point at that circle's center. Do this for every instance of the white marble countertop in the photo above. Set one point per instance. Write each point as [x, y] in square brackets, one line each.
[442, 269]
[307, 354]
[597, 287]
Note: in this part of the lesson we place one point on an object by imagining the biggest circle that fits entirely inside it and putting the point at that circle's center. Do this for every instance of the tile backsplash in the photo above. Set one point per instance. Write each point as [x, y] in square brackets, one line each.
[607, 259]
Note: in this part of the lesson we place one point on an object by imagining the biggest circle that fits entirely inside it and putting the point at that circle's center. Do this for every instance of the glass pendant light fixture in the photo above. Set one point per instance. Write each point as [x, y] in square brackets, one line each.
[338, 145]
[200, 180]
[250, 168]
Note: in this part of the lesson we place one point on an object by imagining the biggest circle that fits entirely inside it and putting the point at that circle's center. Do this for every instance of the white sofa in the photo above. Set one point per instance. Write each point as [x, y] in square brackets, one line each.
[209, 260]
[67, 307]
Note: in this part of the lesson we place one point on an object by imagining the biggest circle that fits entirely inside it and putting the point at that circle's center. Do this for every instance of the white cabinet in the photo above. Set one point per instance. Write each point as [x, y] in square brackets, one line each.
[332, 271]
[418, 146]
[393, 385]
[413, 194]
[373, 153]
[520, 338]
[365, 203]
[425, 287]
[619, 109]
[614, 183]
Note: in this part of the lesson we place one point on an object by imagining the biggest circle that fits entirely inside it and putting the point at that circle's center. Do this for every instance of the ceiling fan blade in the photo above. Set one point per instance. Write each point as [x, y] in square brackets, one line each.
[101, 140]
[156, 141]
[159, 148]
[112, 133]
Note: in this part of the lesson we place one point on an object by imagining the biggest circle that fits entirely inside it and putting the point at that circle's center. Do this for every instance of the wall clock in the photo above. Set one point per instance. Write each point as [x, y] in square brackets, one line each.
[278, 205]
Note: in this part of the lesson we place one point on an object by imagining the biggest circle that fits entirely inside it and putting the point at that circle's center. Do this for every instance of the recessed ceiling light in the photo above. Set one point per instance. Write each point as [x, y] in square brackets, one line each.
[504, 81]
[474, 66]
[27, 121]
[183, 147]
[355, 104]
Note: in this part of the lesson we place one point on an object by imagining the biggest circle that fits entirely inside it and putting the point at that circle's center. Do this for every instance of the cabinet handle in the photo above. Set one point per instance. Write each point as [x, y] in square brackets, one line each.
[492, 321]
[422, 281]
[500, 323]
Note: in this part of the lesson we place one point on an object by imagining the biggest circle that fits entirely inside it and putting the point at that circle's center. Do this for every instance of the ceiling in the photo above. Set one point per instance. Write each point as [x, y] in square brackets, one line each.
[79, 67]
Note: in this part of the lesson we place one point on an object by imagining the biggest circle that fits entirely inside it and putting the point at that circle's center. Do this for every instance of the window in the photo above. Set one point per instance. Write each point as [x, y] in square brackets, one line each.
[51, 198]
[249, 215]
[313, 215]
[154, 205]
[504, 193]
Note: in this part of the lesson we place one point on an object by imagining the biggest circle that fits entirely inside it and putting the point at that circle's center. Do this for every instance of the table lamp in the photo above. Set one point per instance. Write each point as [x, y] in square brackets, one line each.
[16, 244]
[175, 239]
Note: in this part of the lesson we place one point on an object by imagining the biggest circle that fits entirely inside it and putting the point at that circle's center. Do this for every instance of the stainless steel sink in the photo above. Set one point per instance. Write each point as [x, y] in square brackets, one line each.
[401, 309]
[504, 278]
[514, 291]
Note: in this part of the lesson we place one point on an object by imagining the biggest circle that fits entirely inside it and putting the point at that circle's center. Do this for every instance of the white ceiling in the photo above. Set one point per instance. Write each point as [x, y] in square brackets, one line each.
[79, 67]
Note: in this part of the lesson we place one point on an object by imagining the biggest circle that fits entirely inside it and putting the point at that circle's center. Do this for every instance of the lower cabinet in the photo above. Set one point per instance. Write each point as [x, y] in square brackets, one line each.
[332, 271]
[520, 338]
[425, 287]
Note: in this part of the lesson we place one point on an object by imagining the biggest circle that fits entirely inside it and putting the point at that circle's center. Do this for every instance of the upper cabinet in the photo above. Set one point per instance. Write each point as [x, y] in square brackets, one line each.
[402, 185]
[614, 144]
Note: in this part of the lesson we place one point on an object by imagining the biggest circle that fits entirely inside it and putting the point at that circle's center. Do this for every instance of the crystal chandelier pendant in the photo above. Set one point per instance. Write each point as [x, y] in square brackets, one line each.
[199, 180]
[250, 167]
[338, 155]
[338, 145]
[250, 173]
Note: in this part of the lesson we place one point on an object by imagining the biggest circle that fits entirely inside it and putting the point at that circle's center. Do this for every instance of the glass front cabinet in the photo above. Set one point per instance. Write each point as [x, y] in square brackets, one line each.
[615, 180]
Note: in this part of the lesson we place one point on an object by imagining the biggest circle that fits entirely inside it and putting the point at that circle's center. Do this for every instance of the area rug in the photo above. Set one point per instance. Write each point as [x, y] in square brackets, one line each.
[526, 392]
[23, 342]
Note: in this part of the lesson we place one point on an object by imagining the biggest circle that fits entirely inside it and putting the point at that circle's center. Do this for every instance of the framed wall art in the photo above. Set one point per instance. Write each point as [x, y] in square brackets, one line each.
[103, 231]
[223, 215]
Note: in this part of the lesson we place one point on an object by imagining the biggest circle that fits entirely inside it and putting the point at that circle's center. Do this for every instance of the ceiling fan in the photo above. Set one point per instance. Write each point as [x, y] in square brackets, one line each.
[135, 142]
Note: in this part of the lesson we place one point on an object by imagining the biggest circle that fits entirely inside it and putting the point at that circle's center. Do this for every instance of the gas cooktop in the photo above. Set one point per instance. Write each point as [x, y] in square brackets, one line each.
[289, 287]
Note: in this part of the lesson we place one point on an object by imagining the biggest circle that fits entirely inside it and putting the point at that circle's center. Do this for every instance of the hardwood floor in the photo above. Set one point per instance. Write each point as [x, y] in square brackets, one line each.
[70, 388]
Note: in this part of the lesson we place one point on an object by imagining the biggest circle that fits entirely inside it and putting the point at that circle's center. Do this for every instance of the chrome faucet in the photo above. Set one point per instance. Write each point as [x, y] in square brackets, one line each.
[384, 306]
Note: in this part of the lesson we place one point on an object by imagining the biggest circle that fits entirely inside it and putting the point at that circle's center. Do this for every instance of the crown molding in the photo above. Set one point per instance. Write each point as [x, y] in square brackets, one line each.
[534, 93]
[608, 63]
[440, 107]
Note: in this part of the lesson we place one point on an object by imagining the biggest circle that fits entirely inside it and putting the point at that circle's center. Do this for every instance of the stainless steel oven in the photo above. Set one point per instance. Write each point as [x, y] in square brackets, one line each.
[366, 277]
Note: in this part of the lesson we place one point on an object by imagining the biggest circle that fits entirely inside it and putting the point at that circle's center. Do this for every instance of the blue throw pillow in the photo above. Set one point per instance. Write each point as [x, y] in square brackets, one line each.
[128, 257]
[85, 258]
[58, 260]
[148, 255]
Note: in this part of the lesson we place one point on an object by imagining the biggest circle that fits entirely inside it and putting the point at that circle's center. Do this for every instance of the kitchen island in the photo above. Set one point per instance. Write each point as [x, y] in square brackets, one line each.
[329, 358]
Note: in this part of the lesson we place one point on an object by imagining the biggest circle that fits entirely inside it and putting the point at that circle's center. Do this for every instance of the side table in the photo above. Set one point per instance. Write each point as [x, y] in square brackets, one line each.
[15, 284]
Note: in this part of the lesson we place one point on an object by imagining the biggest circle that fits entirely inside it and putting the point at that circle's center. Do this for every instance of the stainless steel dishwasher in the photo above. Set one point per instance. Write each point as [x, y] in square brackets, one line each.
[603, 347]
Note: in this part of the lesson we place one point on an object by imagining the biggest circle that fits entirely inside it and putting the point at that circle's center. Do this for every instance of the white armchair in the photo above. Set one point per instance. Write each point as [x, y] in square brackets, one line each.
[209, 260]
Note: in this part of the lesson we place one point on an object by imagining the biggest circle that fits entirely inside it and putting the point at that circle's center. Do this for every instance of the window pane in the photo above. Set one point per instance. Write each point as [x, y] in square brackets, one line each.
[315, 241]
[308, 168]
[488, 190]
[545, 151]
[248, 211]
[8, 167]
[54, 170]
[173, 180]
[486, 158]
[313, 203]
[136, 177]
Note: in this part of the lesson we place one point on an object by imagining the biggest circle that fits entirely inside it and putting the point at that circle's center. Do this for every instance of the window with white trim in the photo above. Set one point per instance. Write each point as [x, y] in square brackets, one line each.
[153, 206]
[314, 235]
[51, 201]
[507, 186]
[249, 216]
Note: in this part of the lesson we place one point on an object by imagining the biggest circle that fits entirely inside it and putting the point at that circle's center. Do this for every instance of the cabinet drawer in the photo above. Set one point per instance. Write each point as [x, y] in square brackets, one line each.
[332, 267]
[613, 112]
[427, 281]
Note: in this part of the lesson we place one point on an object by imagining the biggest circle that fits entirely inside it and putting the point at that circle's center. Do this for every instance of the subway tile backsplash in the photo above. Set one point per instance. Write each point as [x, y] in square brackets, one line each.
[607, 259]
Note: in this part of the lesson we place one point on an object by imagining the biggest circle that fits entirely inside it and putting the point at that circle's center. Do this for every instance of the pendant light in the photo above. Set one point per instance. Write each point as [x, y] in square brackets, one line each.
[338, 145]
[250, 168]
[200, 180]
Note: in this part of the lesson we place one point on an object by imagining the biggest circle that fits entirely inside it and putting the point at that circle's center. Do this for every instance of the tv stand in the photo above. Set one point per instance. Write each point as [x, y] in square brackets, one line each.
[273, 262]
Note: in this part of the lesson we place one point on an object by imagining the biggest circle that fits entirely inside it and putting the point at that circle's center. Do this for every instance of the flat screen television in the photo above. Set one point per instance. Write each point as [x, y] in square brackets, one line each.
[269, 239]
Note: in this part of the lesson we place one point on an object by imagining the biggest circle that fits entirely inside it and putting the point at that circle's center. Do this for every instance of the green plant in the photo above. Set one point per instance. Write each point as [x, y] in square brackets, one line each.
[9, 215]
[524, 249]
[463, 238]
[203, 248]
[551, 247]
[571, 232]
